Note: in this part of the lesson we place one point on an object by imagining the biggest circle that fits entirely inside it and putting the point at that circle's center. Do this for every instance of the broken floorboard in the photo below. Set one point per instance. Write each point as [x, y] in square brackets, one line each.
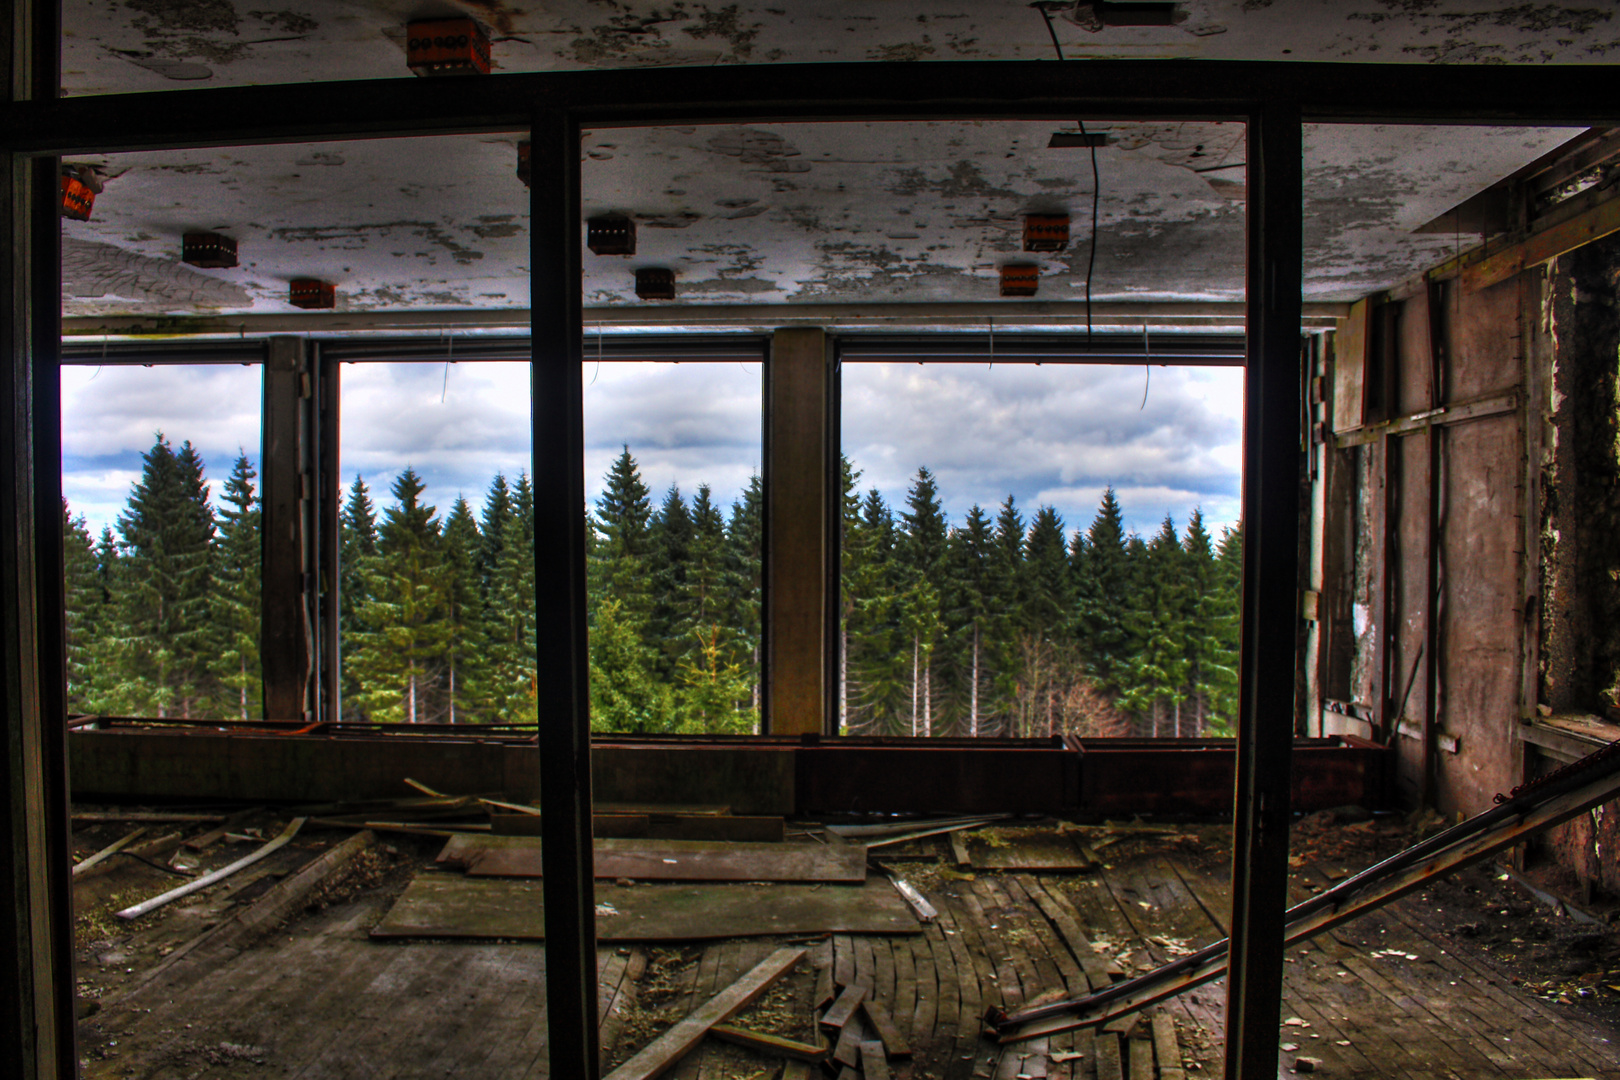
[438, 905]
[668, 860]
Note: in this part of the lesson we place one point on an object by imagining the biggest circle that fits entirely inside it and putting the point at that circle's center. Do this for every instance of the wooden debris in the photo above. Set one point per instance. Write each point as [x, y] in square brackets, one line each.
[204, 841]
[899, 833]
[655, 826]
[959, 852]
[281, 901]
[658, 808]
[844, 1008]
[874, 1066]
[381, 826]
[455, 906]
[770, 1044]
[824, 987]
[1141, 1057]
[848, 1050]
[424, 789]
[110, 850]
[919, 904]
[147, 816]
[667, 860]
[1165, 1044]
[893, 1042]
[218, 875]
[674, 1044]
[796, 1070]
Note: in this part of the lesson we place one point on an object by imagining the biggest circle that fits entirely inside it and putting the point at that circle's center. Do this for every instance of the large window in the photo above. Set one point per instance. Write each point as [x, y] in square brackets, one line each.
[1039, 549]
[672, 463]
[162, 543]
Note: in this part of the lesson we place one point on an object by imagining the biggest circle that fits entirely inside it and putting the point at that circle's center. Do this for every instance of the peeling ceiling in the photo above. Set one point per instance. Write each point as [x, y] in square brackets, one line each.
[835, 213]
[131, 45]
[772, 214]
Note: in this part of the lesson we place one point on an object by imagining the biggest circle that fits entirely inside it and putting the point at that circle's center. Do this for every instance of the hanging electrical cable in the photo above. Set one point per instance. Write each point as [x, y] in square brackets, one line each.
[1096, 187]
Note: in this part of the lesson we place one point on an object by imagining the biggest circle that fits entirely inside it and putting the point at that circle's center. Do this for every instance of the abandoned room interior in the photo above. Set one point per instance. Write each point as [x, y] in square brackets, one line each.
[997, 540]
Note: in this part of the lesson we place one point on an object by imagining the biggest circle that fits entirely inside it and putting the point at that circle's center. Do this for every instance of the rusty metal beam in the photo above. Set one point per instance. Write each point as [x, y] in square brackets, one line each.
[563, 657]
[1271, 442]
[1594, 781]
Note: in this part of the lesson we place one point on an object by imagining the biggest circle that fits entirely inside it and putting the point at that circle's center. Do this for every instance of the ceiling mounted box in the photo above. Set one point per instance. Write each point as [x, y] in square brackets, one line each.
[524, 153]
[1020, 279]
[655, 283]
[312, 293]
[1046, 232]
[611, 235]
[211, 251]
[446, 47]
[77, 198]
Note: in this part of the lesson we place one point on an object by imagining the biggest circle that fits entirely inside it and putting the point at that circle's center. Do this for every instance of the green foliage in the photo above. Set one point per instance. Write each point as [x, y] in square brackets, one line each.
[986, 627]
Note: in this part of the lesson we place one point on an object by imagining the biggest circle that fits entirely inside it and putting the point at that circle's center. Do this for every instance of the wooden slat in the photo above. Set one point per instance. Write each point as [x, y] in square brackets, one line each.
[1566, 236]
[844, 1008]
[770, 1045]
[1110, 1063]
[1141, 1058]
[673, 1044]
[888, 1034]
[873, 1064]
[450, 905]
[107, 852]
[281, 840]
[668, 860]
[850, 1036]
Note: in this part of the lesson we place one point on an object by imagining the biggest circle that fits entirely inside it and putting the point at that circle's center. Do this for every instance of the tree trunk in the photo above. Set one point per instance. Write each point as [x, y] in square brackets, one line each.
[843, 677]
[452, 688]
[915, 651]
[928, 699]
[973, 692]
[410, 691]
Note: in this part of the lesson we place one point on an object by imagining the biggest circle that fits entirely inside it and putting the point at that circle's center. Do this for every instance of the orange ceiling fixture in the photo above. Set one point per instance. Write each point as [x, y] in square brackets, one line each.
[80, 186]
[1046, 232]
[446, 47]
[1020, 279]
[208, 250]
[312, 293]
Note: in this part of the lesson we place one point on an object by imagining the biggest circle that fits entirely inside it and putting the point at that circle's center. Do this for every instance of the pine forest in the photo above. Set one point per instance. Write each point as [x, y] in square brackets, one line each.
[992, 626]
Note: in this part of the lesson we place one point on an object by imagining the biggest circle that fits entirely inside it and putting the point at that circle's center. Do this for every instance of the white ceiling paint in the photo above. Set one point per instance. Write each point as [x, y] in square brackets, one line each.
[837, 213]
[130, 45]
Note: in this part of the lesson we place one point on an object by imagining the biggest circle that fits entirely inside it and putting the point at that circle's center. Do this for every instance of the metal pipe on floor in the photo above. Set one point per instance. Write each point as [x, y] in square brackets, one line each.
[1533, 809]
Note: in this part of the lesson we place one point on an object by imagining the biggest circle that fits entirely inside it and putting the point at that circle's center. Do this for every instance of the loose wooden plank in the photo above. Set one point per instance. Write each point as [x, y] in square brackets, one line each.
[135, 817]
[453, 906]
[667, 860]
[959, 851]
[1110, 1064]
[674, 1044]
[903, 1006]
[712, 827]
[843, 961]
[844, 1008]
[107, 852]
[873, 1064]
[217, 876]
[850, 1036]
[1141, 1059]
[889, 1035]
[776, 1045]
[1166, 1047]
[1046, 854]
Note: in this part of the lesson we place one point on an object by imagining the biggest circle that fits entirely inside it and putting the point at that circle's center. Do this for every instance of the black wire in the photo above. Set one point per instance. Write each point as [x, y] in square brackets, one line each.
[1096, 188]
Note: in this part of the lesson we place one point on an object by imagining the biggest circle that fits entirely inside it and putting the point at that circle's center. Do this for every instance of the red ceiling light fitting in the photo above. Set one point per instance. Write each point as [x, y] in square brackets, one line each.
[211, 251]
[655, 283]
[1020, 279]
[446, 47]
[1046, 232]
[312, 293]
[611, 234]
[80, 186]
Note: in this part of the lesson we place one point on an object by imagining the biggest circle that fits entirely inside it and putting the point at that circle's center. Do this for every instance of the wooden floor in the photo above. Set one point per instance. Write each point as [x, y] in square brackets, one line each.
[320, 1000]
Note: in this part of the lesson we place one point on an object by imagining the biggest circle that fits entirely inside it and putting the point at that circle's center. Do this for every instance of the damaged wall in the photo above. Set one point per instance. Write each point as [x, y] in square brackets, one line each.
[1487, 429]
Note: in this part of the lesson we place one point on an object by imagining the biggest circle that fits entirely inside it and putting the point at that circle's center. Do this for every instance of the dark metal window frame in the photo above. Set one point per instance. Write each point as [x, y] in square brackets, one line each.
[1274, 99]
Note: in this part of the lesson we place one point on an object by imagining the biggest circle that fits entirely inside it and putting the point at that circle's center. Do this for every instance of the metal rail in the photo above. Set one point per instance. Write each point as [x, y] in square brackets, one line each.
[1531, 809]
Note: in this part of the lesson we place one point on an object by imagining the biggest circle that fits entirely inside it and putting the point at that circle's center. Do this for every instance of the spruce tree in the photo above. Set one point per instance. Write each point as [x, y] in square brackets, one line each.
[669, 541]
[627, 693]
[236, 597]
[922, 559]
[743, 583]
[85, 613]
[1157, 680]
[1107, 585]
[1203, 640]
[401, 657]
[497, 508]
[879, 673]
[357, 547]
[512, 695]
[1047, 574]
[848, 594]
[164, 591]
[1224, 687]
[465, 657]
[969, 612]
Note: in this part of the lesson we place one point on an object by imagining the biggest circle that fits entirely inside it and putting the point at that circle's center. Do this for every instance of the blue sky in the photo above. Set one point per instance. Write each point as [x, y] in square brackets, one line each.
[1054, 434]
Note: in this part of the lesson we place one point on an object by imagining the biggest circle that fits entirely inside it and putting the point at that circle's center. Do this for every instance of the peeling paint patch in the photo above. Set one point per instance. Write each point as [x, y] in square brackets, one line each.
[727, 25]
[764, 150]
[910, 50]
[95, 271]
[358, 237]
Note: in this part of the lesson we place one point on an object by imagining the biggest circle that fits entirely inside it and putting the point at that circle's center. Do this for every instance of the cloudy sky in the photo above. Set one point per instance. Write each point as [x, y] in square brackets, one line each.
[1055, 434]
